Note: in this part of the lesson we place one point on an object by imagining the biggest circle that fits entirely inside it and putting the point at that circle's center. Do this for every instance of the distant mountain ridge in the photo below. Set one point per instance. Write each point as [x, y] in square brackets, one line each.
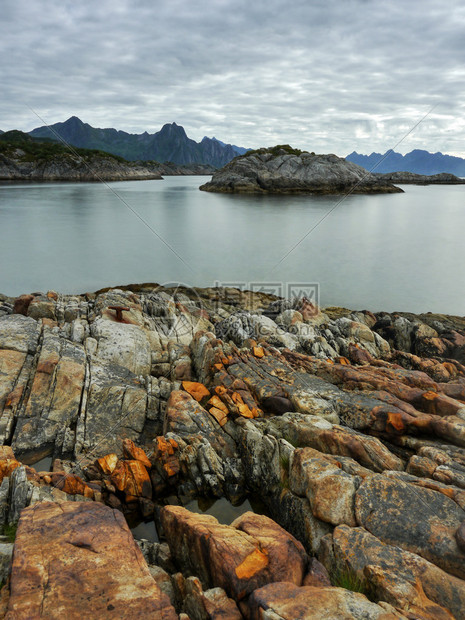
[170, 144]
[417, 161]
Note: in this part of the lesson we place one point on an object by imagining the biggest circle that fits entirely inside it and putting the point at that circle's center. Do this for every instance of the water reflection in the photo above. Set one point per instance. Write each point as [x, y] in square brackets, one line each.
[389, 252]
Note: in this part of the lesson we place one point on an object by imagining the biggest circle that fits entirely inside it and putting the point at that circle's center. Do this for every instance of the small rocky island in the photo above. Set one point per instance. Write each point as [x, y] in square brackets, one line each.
[284, 170]
[443, 178]
[24, 158]
[126, 405]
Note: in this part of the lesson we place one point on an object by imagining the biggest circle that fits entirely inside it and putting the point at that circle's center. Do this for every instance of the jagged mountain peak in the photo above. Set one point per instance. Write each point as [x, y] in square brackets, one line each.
[171, 143]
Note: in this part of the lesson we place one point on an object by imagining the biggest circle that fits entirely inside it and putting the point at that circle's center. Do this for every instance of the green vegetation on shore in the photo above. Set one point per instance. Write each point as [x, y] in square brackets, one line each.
[25, 148]
[274, 150]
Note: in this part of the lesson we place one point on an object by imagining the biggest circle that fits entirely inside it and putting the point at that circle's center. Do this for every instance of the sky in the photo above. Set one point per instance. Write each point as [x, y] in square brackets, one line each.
[324, 76]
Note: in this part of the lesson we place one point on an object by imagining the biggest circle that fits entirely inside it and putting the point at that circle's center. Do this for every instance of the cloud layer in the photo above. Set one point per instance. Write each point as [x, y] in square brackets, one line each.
[327, 76]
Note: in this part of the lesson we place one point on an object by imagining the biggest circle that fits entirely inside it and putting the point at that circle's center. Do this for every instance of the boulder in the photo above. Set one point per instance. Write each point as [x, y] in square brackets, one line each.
[329, 490]
[73, 560]
[289, 602]
[427, 527]
[410, 580]
[239, 558]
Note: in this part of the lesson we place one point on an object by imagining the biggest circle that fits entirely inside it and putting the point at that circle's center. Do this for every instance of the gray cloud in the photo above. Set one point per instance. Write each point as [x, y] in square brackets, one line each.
[325, 76]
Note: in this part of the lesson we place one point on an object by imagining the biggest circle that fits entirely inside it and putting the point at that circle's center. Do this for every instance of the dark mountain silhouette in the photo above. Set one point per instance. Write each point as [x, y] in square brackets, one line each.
[171, 143]
[417, 161]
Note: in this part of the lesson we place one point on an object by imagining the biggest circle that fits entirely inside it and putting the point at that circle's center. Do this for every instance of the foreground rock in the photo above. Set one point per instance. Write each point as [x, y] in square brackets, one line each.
[240, 558]
[77, 560]
[348, 426]
[286, 601]
[283, 170]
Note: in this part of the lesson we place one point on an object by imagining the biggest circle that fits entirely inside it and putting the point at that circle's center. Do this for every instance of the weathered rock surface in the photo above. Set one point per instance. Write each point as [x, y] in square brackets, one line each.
[72, 167]
[282, 170]
[348, 426]
[250, 553]
[287, 601]
[75, 559]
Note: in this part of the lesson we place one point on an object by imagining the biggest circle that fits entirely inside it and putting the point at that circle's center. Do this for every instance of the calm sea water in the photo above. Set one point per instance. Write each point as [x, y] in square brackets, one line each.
[387, 252]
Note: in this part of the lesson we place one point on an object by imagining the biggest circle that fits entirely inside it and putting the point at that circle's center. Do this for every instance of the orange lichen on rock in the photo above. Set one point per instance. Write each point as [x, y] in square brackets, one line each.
[219, 415]
[258, 351]
[165, 446]
[196, 390]
[171, 466]
[107, 463]
[132, 478]
[216, 402]
[253, 563]
[246, 412]
[71, 484]
[395, 420]
[131, 451]
[165, 452]
[7, 466]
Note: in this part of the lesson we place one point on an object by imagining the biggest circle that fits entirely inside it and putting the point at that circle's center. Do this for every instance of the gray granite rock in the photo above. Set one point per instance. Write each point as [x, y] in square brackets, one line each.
[280, 172]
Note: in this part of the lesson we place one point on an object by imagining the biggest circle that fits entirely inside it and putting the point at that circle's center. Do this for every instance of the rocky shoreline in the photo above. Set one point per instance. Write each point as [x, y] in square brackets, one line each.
[349, 426]
[92, 169]
[444, 178]
[284, 170]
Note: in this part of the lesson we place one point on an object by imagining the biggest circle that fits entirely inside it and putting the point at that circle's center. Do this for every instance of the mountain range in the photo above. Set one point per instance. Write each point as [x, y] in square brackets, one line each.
[417, 161]
[170, 144]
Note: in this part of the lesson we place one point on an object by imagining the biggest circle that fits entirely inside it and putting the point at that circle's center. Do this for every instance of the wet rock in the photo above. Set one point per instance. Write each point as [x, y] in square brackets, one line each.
[64, 557]
[238, 558]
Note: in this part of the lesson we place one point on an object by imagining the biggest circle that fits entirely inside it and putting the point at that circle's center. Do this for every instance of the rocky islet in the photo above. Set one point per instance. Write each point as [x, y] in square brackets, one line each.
[284, 170]
[350, 426]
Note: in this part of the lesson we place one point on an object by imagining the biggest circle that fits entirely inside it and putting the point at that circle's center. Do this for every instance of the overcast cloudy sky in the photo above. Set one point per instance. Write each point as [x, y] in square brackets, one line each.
[327, 76]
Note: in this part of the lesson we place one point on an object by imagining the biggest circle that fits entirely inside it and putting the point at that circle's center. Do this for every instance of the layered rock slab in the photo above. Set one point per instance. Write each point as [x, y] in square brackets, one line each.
[250, 553]
[72, 560]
